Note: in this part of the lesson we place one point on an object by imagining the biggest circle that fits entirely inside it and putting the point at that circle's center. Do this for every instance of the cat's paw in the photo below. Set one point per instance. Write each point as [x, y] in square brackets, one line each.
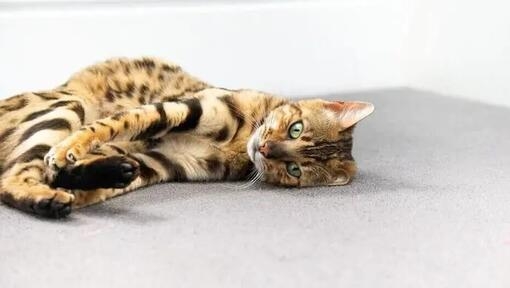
[104, 172]
[56, 205]
[67, 152]
[45, 202]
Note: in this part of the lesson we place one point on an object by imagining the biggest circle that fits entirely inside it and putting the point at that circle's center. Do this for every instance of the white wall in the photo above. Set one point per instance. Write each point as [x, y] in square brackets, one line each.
[460, 47]
[288, 47]
[292, 47]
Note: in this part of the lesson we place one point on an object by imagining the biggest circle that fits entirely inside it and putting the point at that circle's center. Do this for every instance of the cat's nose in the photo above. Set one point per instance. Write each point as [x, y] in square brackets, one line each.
[270, 149]
[265, 149]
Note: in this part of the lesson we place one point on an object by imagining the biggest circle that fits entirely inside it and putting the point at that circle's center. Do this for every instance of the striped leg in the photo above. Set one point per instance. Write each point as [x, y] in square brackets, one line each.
[116, 168]
[145, 122]
[23, 173]
[148, 171]
[108, 166]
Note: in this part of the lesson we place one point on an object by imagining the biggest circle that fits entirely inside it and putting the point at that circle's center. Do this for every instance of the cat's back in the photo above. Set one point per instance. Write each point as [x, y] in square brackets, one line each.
[102, 89]
[121, 83]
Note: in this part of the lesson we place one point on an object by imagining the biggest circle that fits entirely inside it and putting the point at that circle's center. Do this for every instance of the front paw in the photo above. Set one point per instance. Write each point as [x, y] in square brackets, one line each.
[64, 154]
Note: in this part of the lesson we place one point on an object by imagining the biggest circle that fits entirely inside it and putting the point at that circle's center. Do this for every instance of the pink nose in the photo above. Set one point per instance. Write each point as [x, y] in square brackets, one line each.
[264, 149]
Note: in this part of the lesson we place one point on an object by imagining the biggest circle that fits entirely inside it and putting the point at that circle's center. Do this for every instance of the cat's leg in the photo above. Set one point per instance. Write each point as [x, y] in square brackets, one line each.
[117, 168]
[23, 172]
[111, 165]
[114, 169]
[107, 171]
[196, 116]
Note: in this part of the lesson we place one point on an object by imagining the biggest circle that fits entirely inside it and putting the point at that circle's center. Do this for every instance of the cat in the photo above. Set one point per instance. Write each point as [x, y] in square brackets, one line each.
[126, 123]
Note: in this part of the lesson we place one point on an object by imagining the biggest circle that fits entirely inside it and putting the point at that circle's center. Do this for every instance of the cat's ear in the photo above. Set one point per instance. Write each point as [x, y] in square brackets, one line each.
[350, 112]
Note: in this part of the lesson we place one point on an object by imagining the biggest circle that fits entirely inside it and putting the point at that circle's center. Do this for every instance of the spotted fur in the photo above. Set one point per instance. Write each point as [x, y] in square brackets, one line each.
[128, 123]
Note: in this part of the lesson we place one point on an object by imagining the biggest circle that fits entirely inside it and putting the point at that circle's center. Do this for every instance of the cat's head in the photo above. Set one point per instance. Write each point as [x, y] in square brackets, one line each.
[308, 143]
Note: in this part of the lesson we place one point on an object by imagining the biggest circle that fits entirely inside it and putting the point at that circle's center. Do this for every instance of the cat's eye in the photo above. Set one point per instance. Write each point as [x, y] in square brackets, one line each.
[293, 169]
[295, 130]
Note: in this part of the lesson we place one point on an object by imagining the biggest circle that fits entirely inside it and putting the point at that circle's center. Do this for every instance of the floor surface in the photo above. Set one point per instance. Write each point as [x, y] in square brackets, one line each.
[430, 208]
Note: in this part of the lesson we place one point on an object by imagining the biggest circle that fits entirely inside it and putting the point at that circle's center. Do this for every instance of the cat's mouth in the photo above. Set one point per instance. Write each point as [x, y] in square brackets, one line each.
[252, 148]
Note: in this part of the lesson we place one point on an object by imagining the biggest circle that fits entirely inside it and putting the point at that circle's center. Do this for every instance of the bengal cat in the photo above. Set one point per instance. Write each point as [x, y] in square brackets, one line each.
[127, 123]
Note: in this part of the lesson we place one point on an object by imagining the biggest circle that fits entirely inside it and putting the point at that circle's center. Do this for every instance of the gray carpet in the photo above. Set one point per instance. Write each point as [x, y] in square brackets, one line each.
[430, 208]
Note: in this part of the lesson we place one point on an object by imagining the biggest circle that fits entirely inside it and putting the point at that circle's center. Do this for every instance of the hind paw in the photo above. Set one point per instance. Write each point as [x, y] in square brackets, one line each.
[56, 207]
[46, 202]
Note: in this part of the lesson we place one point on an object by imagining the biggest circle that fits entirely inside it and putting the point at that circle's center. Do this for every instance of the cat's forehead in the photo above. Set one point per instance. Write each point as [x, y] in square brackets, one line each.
[309, 109]
[286, 111]
[301, 106]
[318, 123]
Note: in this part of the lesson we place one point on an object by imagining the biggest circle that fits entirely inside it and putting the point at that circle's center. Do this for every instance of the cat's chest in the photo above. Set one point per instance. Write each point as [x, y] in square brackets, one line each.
[220, 160]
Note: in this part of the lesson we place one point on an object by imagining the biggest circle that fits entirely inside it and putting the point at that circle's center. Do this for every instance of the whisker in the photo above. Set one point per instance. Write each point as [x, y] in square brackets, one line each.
[253, 177]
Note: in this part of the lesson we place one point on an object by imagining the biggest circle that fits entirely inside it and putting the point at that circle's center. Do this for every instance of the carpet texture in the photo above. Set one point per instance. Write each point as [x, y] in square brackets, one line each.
[430, 208]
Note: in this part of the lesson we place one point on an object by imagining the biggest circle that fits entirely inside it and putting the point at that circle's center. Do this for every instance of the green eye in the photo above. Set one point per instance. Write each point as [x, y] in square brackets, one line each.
[293, 169]
[295, 130]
